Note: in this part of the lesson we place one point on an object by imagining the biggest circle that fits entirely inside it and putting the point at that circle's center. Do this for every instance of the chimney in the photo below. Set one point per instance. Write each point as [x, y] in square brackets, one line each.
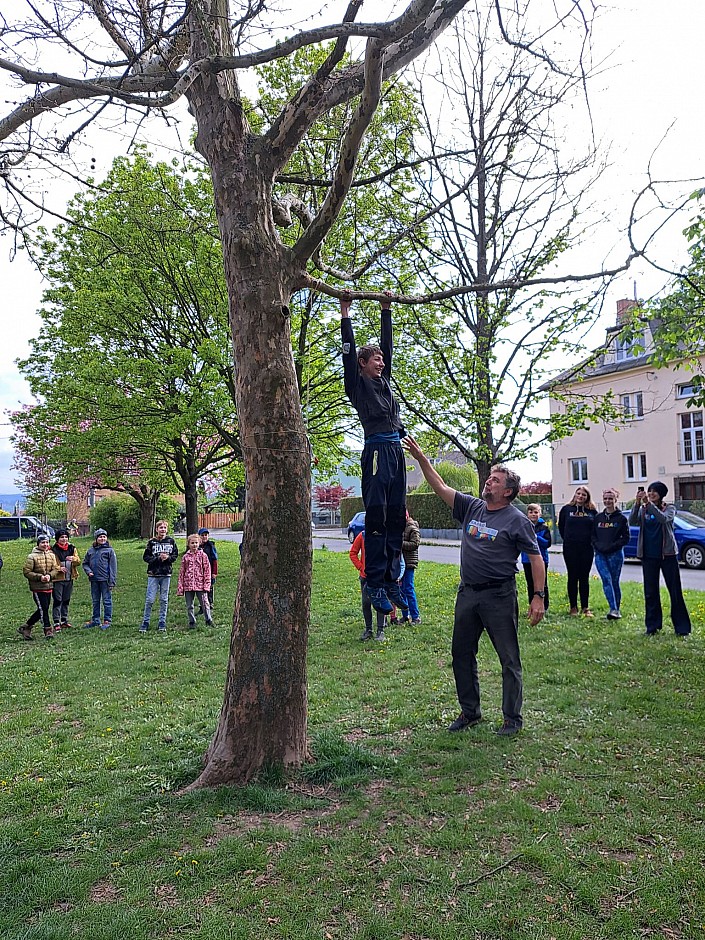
[624, 308]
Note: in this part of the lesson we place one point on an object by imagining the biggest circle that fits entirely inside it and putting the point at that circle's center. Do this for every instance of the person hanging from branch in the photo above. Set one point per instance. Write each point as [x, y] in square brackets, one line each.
[367, 372]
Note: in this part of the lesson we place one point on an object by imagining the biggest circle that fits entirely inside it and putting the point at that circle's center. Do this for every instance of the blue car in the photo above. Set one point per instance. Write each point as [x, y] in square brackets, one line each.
[356, 526]
[689, 530]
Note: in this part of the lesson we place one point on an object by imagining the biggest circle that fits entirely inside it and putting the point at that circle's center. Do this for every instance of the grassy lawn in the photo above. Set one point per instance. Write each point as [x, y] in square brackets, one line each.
[588, 825]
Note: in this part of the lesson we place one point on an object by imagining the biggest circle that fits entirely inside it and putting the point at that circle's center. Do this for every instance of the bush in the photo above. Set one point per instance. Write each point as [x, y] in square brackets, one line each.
[238, 526]
[120, 515]
[428, 509]
[463, 479]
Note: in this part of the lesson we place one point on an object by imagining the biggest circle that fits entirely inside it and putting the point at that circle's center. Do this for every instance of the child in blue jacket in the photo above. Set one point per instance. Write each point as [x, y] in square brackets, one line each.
[100, 564]
[543, 537]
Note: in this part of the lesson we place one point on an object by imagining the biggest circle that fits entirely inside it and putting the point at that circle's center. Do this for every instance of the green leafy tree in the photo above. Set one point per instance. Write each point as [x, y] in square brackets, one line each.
[131, 364]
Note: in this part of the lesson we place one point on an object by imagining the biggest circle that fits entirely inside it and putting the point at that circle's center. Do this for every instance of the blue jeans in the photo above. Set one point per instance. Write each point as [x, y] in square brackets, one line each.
[157, 586]
[609, 568]
[100, 590]
[409, 592]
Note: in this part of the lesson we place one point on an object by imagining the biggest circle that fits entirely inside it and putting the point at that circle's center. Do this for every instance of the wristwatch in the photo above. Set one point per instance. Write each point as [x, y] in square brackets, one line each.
[540, 594]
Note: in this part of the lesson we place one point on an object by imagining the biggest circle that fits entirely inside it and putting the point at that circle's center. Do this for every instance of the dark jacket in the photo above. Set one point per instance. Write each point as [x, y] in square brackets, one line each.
[575, 524]
[665, 517]
[610, 532]
[410, 543]
[62, 554]
[543, 540]
[373, 399]
[156, 568]
[212, 555]
[101, 561]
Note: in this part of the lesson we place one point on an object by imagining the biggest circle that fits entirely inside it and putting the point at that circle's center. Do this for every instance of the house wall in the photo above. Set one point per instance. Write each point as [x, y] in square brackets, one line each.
[658, 435]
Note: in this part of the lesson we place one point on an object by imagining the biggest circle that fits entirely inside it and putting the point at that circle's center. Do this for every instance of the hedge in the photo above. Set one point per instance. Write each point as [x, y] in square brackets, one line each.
[428, 509]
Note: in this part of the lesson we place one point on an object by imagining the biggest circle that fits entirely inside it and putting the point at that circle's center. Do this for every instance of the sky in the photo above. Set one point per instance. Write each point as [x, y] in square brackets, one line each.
[646, 102]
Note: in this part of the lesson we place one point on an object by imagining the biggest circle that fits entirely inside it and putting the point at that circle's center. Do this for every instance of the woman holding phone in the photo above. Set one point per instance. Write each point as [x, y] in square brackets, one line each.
[658, 551]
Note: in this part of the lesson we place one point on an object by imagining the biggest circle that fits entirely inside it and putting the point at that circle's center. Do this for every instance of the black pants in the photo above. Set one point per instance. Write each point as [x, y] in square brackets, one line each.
[496, 611]
[578, 562]
[652, 594]
[42, 599]
[530, 583]
[384, 496]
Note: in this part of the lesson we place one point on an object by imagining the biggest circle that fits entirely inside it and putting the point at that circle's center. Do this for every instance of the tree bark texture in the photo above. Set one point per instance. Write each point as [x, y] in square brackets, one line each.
[263, 716]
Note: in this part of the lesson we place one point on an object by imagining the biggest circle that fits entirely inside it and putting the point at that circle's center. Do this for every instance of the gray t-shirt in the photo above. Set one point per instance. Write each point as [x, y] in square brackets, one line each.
[491, 541]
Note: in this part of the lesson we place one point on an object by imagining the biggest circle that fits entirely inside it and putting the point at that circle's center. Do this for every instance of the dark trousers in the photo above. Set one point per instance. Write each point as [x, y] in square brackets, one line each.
[496, 611]
[530, 583]
[42, 600]
[578, 562]
[668, 566]
[62, 598]
[384, 496]
[367, 609]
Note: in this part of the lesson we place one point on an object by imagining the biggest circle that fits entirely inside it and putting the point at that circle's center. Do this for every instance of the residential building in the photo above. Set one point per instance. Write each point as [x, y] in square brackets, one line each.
[657, 436]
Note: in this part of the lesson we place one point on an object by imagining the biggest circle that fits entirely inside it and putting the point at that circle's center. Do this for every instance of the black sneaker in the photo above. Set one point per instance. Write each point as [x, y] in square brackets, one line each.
[380, 635]
[366, 634]
[462, 722]
[507, 729]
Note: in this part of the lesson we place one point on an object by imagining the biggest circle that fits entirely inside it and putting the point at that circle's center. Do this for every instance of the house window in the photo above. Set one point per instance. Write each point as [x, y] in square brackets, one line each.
[634, 467]
[692, 450]
[627, 348]
[578, 470]
[632, 406]
[685, 391]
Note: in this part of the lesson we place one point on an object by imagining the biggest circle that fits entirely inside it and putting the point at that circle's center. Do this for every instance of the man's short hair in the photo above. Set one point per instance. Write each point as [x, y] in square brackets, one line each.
[512, 480]
[367, 352]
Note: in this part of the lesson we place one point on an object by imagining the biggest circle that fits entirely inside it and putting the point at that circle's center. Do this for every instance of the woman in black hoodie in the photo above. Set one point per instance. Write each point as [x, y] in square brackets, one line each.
[575, 525]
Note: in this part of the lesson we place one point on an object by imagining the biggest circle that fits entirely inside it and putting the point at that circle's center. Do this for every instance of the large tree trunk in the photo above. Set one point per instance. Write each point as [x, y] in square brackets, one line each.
[263, 716]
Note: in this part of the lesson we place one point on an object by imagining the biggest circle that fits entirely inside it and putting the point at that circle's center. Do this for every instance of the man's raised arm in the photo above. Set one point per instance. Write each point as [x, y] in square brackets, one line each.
[447, 493]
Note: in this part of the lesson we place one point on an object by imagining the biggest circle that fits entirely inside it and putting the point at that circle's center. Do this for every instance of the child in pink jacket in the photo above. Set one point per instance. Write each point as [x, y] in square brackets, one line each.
[195, 580]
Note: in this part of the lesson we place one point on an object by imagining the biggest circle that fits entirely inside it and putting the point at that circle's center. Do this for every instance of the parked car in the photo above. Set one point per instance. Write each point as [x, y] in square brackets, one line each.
[356, 526]
[689, 531]
[22, 527]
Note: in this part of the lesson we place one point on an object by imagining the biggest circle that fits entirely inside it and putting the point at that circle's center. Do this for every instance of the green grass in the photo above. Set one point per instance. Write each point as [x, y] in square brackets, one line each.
[588, 825]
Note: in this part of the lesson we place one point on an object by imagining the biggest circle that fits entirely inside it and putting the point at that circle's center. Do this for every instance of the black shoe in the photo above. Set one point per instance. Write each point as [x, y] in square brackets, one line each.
[380, 635]
[462, 722]
[507, 729]
[366, 634]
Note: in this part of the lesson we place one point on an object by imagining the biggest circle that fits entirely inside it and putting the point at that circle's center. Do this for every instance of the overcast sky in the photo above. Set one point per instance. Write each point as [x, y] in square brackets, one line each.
[653, 85]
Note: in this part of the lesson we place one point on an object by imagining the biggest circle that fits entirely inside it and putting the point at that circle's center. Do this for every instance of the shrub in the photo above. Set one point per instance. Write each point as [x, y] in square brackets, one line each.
[238, 526]
[463, 479]
[119, 515]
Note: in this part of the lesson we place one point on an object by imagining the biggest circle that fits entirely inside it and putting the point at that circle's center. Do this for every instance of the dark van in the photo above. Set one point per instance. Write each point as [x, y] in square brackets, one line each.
[22, 527]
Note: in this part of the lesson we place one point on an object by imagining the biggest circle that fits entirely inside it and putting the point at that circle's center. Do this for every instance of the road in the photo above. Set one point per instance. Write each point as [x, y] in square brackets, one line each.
[448, 553]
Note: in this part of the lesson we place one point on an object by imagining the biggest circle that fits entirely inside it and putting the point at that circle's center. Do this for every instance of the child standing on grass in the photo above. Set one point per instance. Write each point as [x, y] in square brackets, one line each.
[100, 564]
[160, 554]
[195, 580]
[212, 554]
[41, 569]
[357, 557]
[69, 560]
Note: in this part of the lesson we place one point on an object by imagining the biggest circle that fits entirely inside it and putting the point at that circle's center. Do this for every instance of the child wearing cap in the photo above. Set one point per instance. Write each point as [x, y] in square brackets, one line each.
[100, 564]
[41, 570]
[212, 555]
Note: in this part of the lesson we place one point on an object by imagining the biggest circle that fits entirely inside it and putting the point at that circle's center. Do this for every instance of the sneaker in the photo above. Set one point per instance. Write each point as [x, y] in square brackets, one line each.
[104, 625]
[25, 631]
[209, 623]
[192, 626]
[379, 600]
[143, 628]
[395, 621]
[416, 622]
[462, 722]
[366, 634]
[573, 612]
[89, 624]
[57, 628]
[48, 633]
[614, 615]
[586, 612]
[394, 594]
[161, 630]
[380, 635]
[66, 625]
[507, 729]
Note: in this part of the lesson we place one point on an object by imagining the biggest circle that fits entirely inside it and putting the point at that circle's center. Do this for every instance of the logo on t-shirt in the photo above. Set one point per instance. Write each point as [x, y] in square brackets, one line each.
[346, 348]
[481, 531]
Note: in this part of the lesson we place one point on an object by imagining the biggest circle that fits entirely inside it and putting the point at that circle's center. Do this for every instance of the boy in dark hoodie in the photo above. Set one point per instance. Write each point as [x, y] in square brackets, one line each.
[160, 554]
[69, 560]
[367, 372]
